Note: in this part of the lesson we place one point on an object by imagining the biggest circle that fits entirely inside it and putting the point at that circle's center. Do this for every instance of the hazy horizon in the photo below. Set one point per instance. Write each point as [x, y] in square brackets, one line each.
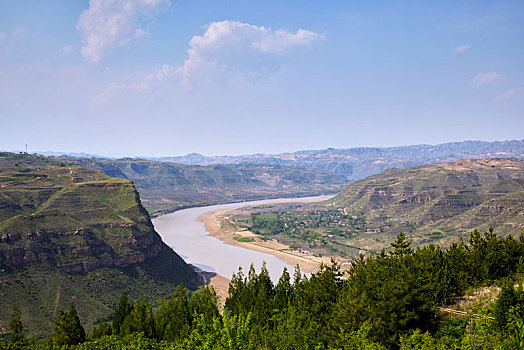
[124, 155]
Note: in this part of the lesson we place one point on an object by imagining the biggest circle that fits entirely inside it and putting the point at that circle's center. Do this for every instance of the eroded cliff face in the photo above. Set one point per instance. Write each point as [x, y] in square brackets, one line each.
[77, 229]
[447, 197]
[85, 252]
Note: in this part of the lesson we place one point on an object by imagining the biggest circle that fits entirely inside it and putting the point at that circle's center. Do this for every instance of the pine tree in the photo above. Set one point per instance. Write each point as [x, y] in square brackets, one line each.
[173, 320]
[17, 328]
[102, 329]
[297, 277]
[282, 291]
[506, 300]
[140, 319]
[402, 246]
[67, 329]
[122, 310]
[238, 299]
[204, 302]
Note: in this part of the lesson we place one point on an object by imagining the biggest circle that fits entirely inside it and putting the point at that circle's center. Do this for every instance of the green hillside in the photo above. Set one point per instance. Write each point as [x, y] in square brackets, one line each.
[69, 233]
[167, 186]
[441, 199]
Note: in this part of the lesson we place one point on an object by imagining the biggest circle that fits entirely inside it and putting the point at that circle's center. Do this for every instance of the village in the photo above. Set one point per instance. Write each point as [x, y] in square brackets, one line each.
[320, 231]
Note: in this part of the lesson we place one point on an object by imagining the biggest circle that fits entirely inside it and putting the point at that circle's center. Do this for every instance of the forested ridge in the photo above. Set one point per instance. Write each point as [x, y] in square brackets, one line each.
[389, 301]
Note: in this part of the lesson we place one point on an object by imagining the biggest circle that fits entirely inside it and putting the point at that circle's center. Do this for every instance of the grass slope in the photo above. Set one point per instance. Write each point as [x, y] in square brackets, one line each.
[441, 199]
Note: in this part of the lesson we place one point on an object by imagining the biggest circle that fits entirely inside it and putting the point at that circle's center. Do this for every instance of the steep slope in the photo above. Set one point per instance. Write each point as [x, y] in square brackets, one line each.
[71, 233]
[167, 186]
[358, 163]
[441, 199]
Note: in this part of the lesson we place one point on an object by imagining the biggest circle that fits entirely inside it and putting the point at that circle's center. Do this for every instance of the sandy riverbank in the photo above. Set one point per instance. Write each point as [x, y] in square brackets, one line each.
[221, 285]
[217, 224]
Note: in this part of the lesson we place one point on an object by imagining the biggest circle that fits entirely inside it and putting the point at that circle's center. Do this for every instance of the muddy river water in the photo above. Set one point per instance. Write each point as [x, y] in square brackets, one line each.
[189, 238]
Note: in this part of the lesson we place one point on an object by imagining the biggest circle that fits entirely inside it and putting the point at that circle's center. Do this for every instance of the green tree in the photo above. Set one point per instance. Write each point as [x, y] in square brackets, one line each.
[239, 298]
[315, 300]
[479, 336]
[140, 320]
[204, 302]
[173, 320]
[420, 341]
[358, 340]
[17, 328]
[121, 312]
[505, 301]
[402, 246]
[103, 328]
[283, 291]
[515, 339]
[67, 329]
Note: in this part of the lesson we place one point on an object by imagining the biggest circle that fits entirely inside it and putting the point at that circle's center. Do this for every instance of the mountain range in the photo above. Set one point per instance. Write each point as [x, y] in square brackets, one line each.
[358, 163]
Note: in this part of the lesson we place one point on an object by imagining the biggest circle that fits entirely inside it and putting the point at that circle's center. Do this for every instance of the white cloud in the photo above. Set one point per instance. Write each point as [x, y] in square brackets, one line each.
[110, 23]
[67, 49]
[226, 49]
[19, 33]
[513, 93]
[462, 48]
[243, 36]
[486, 79]
[149, 82]
[236, 46]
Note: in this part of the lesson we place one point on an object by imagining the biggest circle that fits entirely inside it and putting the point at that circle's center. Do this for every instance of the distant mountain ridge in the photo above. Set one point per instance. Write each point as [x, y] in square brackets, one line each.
[360, 162]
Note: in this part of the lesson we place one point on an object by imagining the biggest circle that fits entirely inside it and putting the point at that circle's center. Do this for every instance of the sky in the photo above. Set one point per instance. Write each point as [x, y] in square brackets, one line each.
[170, 77]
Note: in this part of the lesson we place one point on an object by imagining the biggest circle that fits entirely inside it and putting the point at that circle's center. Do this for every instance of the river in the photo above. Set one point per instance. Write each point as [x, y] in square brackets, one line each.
[188, 237]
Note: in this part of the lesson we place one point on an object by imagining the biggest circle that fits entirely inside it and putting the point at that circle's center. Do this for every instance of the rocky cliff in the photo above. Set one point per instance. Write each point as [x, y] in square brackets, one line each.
[82, 231]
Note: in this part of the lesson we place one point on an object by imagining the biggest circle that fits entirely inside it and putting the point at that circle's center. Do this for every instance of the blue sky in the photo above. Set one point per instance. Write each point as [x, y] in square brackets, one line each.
[167, 77]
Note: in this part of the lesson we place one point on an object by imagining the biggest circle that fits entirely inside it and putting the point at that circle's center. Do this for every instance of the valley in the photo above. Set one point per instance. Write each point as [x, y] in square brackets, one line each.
[71, 233]
[165, 187]
[439, 204]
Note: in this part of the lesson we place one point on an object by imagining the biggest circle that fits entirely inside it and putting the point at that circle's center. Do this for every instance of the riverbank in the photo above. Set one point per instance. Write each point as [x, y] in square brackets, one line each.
[218, 226]
[203, 244]
[292, 197]
[221, 285]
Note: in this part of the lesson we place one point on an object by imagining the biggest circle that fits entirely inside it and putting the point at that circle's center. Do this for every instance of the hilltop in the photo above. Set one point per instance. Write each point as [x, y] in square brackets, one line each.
[436, 201]
[68, 233]
[165, 186]
[360, 162]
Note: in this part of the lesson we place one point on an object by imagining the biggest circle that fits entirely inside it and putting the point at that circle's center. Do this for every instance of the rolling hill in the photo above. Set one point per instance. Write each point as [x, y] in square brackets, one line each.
[433, 202]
